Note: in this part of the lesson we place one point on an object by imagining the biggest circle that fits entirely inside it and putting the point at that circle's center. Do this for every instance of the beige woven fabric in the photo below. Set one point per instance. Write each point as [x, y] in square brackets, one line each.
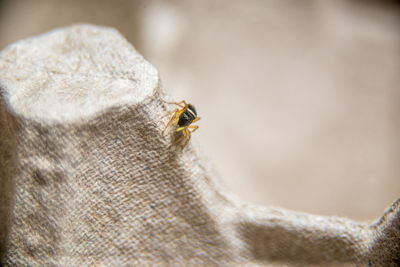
[88, 178]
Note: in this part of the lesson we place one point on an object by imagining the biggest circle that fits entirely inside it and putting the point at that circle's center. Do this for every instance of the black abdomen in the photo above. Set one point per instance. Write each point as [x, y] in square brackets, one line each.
[186, 118]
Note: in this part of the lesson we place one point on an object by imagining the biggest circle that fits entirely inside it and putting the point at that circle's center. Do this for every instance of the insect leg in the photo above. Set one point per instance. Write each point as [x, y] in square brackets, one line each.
[194, 127]
[184, 135]
[198, 118]
[181, 104]
[188, 134]
[174, 117]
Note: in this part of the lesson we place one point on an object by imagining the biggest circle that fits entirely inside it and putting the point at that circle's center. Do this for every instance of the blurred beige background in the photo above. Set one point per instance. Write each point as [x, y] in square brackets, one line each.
[299, 100]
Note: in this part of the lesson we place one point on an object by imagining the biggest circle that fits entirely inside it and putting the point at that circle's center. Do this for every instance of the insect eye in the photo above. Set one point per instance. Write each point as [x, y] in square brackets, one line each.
[191, 107]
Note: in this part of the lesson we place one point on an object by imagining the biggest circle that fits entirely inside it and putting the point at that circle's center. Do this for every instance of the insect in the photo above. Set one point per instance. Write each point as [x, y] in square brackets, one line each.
[182, 119]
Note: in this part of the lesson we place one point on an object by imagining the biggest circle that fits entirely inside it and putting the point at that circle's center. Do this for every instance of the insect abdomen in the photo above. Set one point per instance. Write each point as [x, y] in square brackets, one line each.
[185, 119]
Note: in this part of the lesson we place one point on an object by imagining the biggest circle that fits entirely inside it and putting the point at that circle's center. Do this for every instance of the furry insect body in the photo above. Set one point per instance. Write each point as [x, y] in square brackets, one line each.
[182, 119]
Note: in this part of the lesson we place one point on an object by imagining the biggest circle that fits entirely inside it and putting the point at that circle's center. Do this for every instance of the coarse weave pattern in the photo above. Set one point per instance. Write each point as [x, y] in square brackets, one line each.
[102, 185]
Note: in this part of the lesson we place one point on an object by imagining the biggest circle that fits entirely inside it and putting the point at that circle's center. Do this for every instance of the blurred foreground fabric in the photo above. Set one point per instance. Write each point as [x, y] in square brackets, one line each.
[88, 178]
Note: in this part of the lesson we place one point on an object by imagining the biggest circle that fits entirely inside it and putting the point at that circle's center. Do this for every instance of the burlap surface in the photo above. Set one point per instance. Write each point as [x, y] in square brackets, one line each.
[88, 178]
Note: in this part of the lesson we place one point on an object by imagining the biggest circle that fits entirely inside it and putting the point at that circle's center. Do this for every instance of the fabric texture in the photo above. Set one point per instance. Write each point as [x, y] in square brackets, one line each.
[89, 178]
